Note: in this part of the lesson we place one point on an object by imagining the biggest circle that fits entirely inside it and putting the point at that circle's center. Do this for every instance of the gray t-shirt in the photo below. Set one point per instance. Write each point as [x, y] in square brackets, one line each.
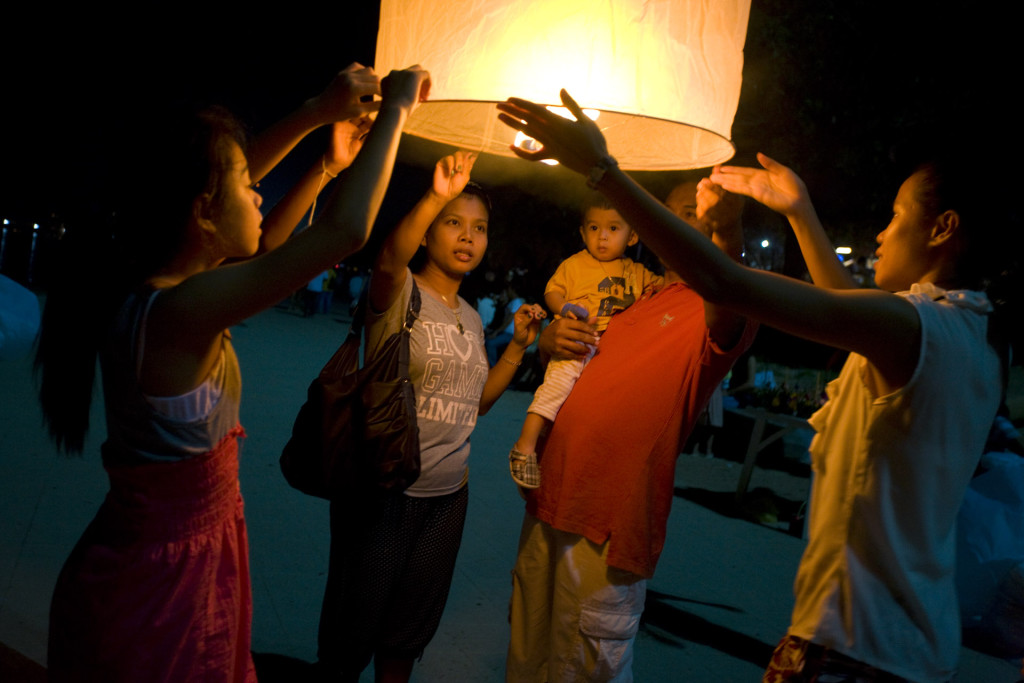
[448, 370]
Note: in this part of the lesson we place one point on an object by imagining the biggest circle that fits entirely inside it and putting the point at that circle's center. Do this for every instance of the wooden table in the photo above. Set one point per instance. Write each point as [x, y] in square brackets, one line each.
[757, 443]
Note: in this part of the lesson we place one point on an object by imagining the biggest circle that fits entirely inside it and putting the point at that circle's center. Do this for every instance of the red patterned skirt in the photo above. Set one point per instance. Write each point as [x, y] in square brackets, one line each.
[158, 589]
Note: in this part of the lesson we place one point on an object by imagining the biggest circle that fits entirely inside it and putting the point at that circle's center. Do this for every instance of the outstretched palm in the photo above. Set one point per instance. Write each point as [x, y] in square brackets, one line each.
[776, 186]
[452, 173]
[578, 144]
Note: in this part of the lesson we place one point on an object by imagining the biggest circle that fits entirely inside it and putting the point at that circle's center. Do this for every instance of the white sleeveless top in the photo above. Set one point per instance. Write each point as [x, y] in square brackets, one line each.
[876, 581]
[142, 428]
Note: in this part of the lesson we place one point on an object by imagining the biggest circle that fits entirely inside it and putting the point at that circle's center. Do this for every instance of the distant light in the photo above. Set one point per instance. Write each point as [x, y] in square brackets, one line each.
[6, 222]
[35, 226]
[765, 243]
[844, 250]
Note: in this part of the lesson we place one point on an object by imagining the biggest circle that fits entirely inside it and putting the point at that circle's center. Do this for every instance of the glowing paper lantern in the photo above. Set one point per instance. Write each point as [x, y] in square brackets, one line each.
[664, 75]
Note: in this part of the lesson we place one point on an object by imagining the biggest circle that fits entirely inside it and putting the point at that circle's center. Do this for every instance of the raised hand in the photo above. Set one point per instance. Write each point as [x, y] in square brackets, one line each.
[350, 95]
[776, 186]
[406, 88]
[715, 206]
[527, 323]
[451, 174]
[578, 144]
[346, 141]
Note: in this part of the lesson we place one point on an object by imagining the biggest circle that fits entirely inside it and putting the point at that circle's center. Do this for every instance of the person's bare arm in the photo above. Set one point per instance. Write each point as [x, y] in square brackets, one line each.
[881, 326]
[721, 212]
[188, 318]
[346, 141]
[451, 174]
[350, 95]
[778, 188]
[555, 301]
[527, 323]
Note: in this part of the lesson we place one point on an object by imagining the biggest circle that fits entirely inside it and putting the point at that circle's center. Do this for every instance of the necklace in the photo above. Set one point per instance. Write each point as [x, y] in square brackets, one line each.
[610, 276]
[627, 287]
[456, 310]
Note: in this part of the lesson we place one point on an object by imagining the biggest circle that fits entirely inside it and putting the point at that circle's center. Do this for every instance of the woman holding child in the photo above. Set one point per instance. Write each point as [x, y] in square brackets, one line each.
[907, 419]
[392, 558]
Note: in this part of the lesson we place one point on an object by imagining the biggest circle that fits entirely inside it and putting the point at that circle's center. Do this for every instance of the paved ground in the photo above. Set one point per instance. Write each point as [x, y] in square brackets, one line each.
[720, 600]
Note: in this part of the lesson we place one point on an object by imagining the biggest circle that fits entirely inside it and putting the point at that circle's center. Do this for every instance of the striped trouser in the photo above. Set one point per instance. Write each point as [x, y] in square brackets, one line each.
[559, 379]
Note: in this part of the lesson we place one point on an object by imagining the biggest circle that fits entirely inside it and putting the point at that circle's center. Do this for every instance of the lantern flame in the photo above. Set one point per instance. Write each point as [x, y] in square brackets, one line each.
[525, 142]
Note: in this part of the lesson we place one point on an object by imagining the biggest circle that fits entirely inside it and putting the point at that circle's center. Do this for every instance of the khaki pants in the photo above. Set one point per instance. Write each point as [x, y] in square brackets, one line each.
[573, 618]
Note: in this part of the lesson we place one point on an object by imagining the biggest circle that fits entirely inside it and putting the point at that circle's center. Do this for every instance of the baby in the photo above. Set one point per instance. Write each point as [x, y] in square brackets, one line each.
[593, 283]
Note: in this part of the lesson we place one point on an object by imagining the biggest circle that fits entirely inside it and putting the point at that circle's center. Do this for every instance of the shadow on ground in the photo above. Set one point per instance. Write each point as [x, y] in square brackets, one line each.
[670, 623]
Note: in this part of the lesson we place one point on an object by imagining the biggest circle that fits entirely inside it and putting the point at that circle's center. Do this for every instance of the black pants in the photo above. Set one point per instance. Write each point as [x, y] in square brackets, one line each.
[391, 566]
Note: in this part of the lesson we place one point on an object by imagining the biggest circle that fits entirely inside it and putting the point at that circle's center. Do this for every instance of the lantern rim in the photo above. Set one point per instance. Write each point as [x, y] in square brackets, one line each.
[715, 148]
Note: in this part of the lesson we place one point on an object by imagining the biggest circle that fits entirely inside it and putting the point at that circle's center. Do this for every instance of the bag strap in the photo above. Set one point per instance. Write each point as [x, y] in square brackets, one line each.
[414, 307]
[338, 366]
[411, 313]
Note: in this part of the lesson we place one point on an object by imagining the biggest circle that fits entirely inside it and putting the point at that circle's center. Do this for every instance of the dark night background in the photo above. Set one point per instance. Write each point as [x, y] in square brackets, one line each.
[844, 92]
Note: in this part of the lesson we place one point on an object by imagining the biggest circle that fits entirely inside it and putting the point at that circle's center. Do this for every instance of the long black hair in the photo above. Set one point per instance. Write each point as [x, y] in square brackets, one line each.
[142, 226]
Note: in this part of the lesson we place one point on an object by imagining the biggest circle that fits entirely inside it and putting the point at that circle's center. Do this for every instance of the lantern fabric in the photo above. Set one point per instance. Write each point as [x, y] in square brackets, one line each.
[665, 75]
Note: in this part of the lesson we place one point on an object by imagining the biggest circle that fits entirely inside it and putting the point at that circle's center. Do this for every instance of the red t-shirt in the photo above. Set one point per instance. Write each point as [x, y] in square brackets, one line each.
[609, 461]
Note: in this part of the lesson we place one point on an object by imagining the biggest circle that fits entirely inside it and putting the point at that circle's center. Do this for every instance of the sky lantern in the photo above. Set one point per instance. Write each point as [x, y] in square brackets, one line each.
[661, 77]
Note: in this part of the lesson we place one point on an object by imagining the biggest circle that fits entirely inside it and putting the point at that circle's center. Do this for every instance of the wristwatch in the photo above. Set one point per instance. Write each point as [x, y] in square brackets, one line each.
[597, 171]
